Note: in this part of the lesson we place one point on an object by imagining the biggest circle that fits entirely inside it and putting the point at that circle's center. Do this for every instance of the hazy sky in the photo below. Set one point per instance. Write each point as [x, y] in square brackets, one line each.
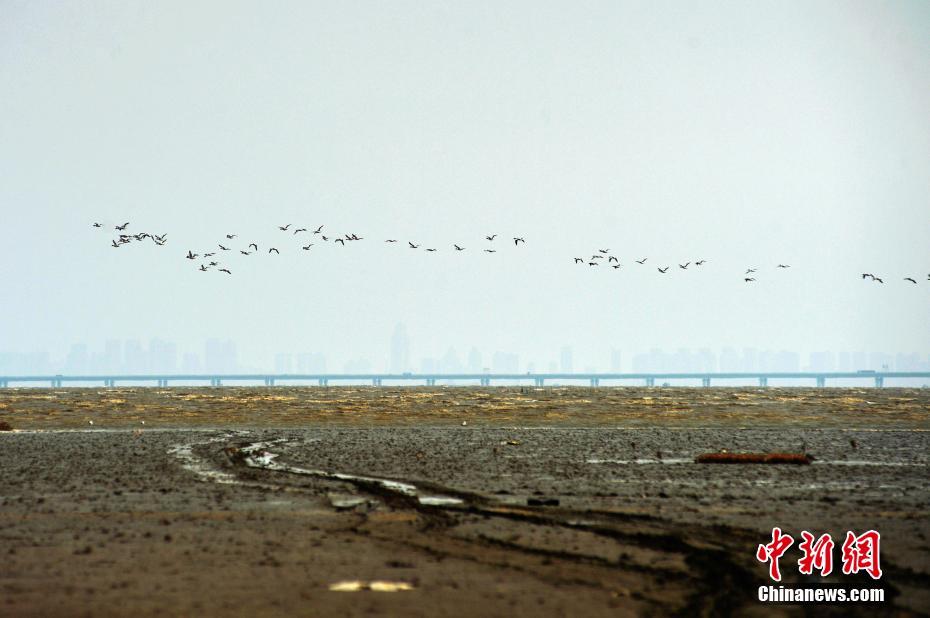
[745, 133]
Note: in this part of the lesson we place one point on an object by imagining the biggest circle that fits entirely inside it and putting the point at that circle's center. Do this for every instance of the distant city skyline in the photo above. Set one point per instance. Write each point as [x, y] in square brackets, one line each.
[132, 356]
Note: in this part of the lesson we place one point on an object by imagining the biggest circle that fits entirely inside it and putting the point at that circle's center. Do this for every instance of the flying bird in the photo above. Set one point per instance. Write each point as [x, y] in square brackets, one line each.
[577, 260]
[684, 266]
[605, 251]
[413, 246]
[458, 248]
[391, 240]
[877, 279]
[214, 263]
[517, 241]
[911, 280]
[663, 270]
[642, 261]
[224, 270]
[203, 268]
[318, 230]
[254, 245]
[230, 236]
[748, 279]
[784, 266]
[750, 270]
[275, 250]
[592, 263]
[115, 244]
[342, 241]
[615, 266]
[490, 251]
[191, 255]
[613, 259]
[430, 249]
[245, 252]
[307, 247]
[302, 229]
[864, 275]
[122, 227]
[283, 228]
[324, 237]
[700, 263]
[208, 254]
[491, 237]
[97, 225]
[222, 248]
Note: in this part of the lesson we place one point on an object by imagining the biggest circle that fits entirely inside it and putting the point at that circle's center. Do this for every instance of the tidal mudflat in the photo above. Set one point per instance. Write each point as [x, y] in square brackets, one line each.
[449, 501]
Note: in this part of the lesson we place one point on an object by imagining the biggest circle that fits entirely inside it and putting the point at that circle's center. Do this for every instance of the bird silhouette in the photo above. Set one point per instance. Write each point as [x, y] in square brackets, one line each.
[458, 248]
[517, 241]
[490, 251]
[592, 263]
[642, 261]
[748, 279]
[222, 248]
[430, 250]
[275, 250]
[577, 260]
[191, 255]
[283, 228]
[224, 270]
[214, 263]
[208, 254]
[122, 227]
[750, 270]
[684, 266]
[911, 280]
[245, 252]
[115, 244]
[318, 230]
[605, 251]
[97, 225]
[784, 266]
[298, 230]
[391, 240]
[203, 268]
[230, 236]
[413, 246]
[324, 237]
[663, 270]
[877, 279]
[491, 237]
[864, 275]
[340, 240]
[613, 259]
[254, 246]
[700, 263]
[615, 266]
[307, 247]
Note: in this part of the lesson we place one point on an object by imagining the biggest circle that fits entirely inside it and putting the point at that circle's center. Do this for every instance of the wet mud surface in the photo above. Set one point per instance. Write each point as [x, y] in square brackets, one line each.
[203, 517]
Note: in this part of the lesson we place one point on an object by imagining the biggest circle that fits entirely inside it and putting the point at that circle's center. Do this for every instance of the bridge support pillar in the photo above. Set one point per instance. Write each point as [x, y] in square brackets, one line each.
[485, 381]
[3, 384]
[705, 381]
[376, 381]
[323, 382]
[879, 381]
[821, 381]
[431, 381]
[540, 381]
[650, 381]
[763, 381]
[595, 382]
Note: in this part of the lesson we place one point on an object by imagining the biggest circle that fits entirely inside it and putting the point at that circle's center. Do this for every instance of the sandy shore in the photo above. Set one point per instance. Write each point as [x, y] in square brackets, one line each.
[525, 510]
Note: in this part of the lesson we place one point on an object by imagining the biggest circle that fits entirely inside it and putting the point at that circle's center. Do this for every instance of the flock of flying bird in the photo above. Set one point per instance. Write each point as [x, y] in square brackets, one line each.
[207, 264]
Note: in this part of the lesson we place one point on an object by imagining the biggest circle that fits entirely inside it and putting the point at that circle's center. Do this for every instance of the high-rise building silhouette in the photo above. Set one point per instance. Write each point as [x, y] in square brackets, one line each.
[400, 350]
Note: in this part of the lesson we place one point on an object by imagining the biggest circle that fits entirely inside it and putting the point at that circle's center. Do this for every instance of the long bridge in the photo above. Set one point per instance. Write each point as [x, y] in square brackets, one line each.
[430, 379]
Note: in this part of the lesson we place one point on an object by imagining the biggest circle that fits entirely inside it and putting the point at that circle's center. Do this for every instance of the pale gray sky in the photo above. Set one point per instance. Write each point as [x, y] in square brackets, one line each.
[746, 133]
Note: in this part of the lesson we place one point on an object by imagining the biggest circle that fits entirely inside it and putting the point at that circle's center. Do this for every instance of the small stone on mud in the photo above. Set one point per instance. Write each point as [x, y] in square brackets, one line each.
[542, 502]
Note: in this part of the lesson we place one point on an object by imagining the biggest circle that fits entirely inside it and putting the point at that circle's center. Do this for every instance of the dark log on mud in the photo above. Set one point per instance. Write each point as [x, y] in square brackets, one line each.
[753, 458]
